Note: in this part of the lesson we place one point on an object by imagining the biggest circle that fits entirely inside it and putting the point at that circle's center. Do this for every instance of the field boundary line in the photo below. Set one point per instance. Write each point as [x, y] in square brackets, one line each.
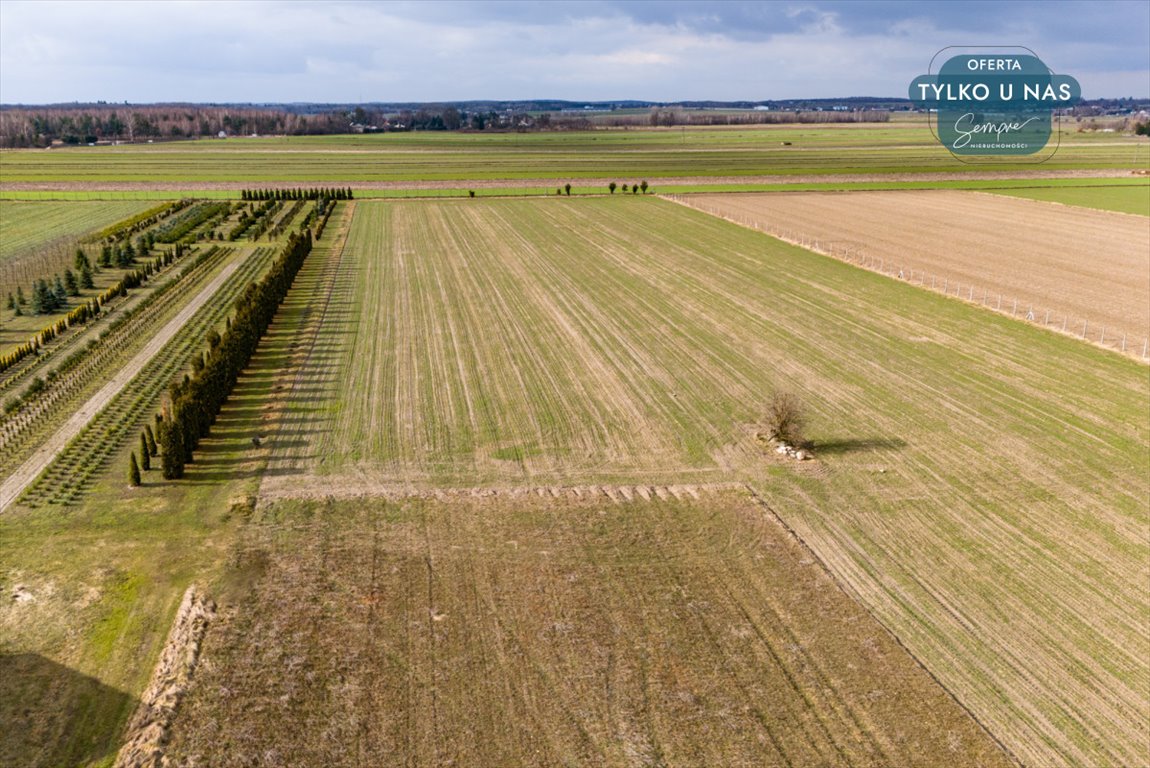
[146, 735]
[23, 477]
[344, 487]
[759, 501]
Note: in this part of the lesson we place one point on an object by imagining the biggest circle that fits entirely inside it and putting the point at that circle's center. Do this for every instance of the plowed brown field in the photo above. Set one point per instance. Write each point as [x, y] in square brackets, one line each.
[537, 632]
[1090, 265]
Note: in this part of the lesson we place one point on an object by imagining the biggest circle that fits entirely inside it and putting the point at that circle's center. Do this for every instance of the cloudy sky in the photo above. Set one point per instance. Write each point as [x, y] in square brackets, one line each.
[371, 50]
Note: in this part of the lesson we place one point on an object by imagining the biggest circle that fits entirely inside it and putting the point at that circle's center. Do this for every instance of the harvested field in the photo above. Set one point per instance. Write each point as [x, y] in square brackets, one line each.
[1091, 266]
[488, 633]
[981, 484]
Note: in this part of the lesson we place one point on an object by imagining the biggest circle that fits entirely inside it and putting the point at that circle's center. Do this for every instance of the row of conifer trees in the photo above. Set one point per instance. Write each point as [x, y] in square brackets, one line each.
[333, 193]
[195, 402]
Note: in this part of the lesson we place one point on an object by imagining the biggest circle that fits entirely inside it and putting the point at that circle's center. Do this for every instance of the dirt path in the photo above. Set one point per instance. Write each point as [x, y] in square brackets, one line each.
[14, 485]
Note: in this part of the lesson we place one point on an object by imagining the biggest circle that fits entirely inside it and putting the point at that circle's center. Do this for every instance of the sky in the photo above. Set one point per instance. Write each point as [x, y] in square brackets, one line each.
[359, 51]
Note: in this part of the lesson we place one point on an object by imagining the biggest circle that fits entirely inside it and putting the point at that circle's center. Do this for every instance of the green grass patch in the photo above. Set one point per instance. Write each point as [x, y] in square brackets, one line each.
[1129, 198]
[626, 155]
[26, 227]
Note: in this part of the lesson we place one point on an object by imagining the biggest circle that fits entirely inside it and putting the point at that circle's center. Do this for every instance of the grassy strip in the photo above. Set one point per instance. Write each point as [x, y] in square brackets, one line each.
[1129, 198]
[583, 190]
[115, 195]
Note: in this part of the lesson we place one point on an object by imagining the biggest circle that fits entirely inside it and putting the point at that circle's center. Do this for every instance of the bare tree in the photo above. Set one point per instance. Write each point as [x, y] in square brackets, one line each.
[785, 419]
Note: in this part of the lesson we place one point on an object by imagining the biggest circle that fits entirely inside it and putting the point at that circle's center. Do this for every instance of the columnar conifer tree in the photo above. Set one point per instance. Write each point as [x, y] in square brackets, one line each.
[196, 400]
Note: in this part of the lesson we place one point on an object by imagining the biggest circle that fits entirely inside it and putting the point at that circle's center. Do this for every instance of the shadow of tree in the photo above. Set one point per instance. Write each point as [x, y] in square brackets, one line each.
[51, 715]
[857, 445]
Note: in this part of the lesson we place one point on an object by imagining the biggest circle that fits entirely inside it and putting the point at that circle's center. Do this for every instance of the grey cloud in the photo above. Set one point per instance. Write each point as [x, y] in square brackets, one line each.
[340, 50]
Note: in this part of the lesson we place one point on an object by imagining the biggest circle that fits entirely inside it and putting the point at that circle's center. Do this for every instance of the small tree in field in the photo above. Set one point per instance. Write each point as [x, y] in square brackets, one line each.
[567, 188]
[145, 456]
[785, 419]
[611, 187]
[133, 471]
[643, 186]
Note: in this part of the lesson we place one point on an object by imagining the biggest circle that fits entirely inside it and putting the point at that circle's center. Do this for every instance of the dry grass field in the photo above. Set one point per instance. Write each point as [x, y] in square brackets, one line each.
[1091, 265]
[981, 484]
[543, 632]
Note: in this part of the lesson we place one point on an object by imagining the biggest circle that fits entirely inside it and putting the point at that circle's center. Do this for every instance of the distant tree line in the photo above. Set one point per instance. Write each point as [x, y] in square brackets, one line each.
[41, 126]
[89, 124]
[194, 403]
[673, 117]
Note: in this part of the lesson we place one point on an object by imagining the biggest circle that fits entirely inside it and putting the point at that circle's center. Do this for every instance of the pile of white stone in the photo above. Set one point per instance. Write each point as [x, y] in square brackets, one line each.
[798, 454]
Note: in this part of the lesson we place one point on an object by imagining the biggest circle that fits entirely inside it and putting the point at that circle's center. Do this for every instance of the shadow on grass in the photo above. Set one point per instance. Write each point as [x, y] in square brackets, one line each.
[856, 445]
[51, 715]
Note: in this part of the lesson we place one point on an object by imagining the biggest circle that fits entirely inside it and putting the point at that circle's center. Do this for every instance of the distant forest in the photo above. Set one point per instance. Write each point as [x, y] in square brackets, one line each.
[43, 126]
[89, 124]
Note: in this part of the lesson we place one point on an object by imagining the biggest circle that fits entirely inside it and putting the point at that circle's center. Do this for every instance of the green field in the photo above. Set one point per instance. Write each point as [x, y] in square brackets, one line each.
[26, 227]
[481, 424]
[966, 459]
[1128, 199]
[622, 154]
